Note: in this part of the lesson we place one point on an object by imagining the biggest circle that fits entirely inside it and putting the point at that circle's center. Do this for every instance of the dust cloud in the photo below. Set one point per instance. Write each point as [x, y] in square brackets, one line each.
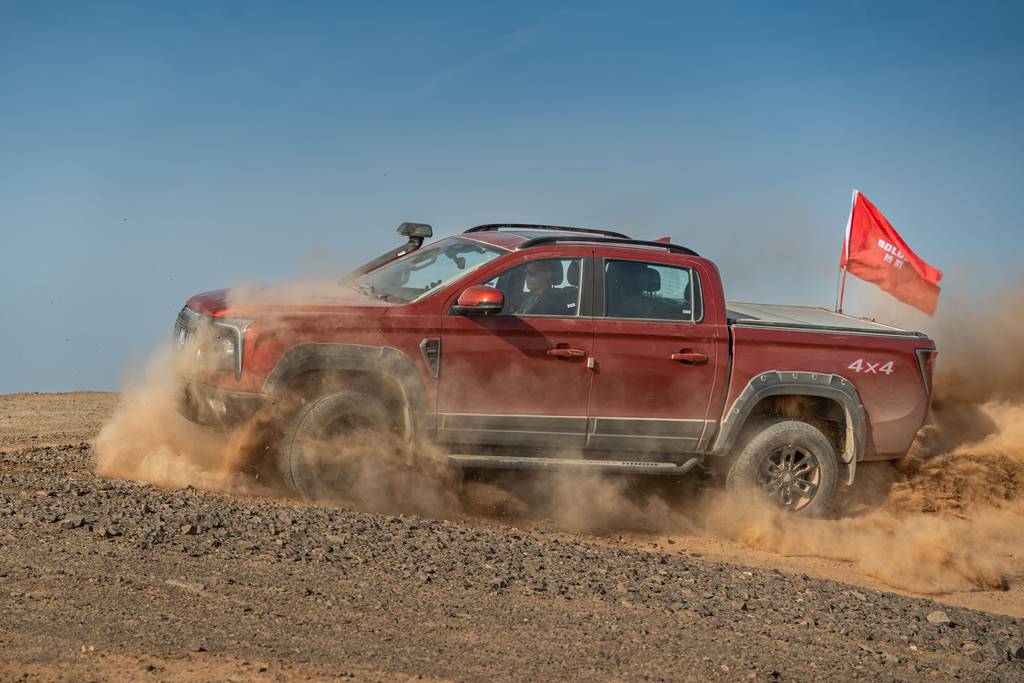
[148, 439]
[306, 291]
[380, 472]
[941, 522]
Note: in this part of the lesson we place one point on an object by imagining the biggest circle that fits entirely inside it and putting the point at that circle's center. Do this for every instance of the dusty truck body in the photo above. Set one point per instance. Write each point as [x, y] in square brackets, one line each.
[515, 346]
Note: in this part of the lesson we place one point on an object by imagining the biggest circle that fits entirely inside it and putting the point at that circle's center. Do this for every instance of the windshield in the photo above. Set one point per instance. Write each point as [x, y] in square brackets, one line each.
[427, 269]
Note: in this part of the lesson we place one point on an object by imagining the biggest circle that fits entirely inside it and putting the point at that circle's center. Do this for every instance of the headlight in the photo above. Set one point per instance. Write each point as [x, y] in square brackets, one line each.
[211, 345]
[217, 349]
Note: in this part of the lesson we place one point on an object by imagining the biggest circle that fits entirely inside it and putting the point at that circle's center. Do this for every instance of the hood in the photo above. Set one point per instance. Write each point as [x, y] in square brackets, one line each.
[292, 297]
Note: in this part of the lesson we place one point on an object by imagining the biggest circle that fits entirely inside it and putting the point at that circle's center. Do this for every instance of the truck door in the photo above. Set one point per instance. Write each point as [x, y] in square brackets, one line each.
[656, 358]
[520, 378]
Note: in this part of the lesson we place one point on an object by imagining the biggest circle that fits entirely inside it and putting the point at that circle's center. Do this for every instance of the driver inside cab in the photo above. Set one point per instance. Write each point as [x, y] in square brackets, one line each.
[541, 296]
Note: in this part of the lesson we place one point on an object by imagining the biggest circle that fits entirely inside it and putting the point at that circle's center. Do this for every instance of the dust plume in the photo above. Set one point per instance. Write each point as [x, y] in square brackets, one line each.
[305, 292]
[148, 440]
[940, 522]
[380, 472]
[583, 502]
[971, 454]
[924, 553]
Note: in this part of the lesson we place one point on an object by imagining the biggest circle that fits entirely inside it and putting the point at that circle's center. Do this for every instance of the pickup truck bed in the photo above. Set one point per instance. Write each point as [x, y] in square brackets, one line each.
[807, 318]
[879, 360]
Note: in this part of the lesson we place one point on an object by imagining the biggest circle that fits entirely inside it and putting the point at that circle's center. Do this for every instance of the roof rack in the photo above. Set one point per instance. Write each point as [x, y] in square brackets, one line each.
[674, 248]
[529, 226]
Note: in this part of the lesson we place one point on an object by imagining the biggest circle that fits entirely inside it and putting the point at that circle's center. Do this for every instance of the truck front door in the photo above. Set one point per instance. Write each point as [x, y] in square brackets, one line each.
[520, 378]
[657, 358]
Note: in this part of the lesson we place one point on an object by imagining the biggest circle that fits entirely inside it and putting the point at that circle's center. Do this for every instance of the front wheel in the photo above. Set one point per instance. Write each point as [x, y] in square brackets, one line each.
[332, 442]
[790, 463]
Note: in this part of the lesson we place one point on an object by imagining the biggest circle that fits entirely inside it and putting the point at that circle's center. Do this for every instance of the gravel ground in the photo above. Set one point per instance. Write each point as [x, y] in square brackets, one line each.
[121, 580]
[40, 420]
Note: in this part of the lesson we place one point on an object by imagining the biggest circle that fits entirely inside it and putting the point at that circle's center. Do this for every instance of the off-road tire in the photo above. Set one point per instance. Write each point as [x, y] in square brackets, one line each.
[329, 416]
[747, 471]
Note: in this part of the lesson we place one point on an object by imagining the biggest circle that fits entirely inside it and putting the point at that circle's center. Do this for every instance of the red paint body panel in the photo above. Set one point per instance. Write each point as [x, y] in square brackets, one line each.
[635, 375]
[269, 337]
[498, 365]
[896, 404]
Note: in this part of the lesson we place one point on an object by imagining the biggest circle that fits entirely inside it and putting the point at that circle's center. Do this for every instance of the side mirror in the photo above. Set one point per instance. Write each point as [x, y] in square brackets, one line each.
[480, 300]
[420, 230]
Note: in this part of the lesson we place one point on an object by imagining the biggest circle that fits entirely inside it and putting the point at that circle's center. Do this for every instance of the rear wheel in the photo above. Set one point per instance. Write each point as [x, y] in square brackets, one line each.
[322, 455]
[792, 464]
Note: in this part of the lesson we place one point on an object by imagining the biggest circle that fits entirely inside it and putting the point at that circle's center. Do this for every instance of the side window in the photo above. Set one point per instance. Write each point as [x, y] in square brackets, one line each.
[541, 287]
[650, 291]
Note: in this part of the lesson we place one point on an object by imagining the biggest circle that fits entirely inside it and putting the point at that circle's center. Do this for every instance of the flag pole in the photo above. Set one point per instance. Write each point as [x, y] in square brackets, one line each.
[842, 290]
[841, 284]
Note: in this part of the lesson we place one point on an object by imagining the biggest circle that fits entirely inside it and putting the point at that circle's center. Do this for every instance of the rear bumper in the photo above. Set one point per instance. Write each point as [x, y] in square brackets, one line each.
[213, 406]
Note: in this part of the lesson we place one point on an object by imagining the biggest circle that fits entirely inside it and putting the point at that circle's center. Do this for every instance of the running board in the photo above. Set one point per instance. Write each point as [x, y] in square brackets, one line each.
[617, 466]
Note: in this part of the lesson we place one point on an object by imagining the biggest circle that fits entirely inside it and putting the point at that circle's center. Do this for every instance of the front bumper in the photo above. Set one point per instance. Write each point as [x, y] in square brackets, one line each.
[213, 406]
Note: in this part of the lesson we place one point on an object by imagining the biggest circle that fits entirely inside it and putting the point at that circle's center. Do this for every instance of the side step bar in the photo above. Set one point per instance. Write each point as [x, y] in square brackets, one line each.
[501, 462]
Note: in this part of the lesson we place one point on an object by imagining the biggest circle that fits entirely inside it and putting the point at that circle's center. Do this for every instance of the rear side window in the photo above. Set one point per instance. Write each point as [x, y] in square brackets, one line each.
[650, 291]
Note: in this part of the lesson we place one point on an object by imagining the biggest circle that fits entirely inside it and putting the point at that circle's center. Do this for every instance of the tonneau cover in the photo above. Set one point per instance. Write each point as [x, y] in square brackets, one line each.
[807, 317]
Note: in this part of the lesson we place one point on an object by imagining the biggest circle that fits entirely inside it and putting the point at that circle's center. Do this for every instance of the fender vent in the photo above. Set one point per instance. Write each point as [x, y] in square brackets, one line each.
[430, 348]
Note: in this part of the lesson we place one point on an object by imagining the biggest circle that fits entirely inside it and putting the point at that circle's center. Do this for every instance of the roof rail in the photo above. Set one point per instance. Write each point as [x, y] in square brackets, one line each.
[674, 248]
[529, 226]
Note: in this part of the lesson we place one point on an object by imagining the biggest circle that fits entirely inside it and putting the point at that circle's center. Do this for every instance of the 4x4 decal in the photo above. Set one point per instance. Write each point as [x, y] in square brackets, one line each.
[868, 368]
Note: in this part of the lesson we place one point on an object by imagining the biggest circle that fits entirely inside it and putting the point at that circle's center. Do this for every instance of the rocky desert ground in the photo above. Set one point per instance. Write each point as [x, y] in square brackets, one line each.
[112, 579]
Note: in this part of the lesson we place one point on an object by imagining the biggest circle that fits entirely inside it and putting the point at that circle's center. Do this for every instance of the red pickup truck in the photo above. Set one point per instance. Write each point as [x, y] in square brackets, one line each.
[532, 347]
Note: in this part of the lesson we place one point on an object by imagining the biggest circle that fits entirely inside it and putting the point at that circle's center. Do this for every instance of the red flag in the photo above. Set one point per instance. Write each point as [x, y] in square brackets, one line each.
[875, 252]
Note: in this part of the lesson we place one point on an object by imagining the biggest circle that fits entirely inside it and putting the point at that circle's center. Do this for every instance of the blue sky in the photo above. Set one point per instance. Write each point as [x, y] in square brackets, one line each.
[151, 151]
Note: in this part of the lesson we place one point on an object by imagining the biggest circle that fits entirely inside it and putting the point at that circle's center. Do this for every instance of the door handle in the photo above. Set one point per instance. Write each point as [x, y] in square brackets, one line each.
[690, 358]
[567, 353]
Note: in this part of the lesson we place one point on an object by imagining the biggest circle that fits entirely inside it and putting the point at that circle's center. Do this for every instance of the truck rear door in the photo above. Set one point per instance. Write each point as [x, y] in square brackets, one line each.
[660, 355]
